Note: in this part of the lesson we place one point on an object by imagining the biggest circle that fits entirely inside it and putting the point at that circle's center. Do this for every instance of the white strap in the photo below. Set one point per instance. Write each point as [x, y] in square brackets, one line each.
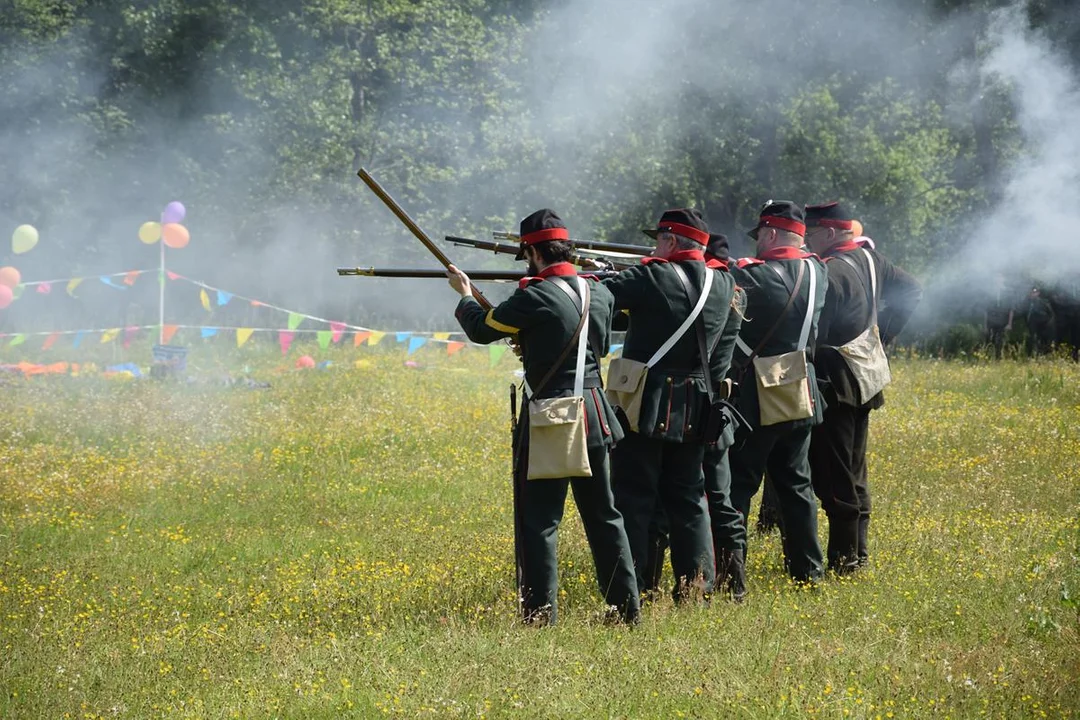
[659, 354]
[743, 347]
[873, 285]
[804, 336]
[579, 369]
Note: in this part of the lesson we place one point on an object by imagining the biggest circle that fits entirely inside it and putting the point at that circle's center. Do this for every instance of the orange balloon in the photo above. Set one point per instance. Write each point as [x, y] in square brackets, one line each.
[10, 277]
[175, 235]
[856, 228]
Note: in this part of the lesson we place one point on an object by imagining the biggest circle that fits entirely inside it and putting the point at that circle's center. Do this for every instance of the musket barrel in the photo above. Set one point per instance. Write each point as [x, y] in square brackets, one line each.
[430, 274]
[586, 244]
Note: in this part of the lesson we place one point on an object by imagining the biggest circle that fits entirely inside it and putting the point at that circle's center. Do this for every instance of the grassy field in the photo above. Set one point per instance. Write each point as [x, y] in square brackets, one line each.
[340, 544]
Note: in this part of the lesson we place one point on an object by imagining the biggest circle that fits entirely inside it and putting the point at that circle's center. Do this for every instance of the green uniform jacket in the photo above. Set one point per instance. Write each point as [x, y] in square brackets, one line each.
[542, 319]
[675, 393]
[766, 296]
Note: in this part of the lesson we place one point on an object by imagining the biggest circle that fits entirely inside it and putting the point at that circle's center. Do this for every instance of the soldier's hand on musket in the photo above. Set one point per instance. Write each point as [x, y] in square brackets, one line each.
[589, 263]
[459, 281]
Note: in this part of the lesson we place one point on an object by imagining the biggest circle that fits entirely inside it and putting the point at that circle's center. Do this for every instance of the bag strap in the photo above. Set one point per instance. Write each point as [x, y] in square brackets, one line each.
[873, 281]
[577, 338]
[699, 327]
[804, 335]
[670, 343]
[751, 354]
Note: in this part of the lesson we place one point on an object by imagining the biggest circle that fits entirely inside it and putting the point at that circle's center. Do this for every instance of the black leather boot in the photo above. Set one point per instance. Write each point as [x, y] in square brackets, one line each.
[863, 554]
[843, 552]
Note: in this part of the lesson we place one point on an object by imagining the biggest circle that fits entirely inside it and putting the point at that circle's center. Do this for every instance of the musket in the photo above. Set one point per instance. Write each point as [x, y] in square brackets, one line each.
[414, 229]
[426, 273]
[513, 249]
[594, 245]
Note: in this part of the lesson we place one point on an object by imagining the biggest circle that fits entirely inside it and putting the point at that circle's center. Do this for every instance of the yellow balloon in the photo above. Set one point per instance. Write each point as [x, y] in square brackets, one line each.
[150, 232]
[24, 239]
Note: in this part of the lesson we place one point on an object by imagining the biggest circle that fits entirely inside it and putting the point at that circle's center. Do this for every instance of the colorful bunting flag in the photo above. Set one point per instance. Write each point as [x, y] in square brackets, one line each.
[615, 348]
[441, 336]
[223, 298]
[452, 347]
[109, 335]
[242, 335]
[72, 284]
[50, 341]
[285, 338]
[205, 300]
[402, 336]
[78, 339]
[208, 332]
[129, 334]
[415, 343]
[495, 353]
[171, 275]
[375, 337]
[44, 288]
[294, 320]
[129, 278]
[17, 340]
[337, 328]
[324, 337]
[167, 333]
[256, 303]
[109, 281]
[360, 337]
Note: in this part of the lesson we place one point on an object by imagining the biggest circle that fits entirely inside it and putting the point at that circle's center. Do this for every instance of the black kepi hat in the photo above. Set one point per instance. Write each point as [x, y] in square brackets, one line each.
[718, 247]
[685, 222]
[542, 226]
[782, 215]
[833, 215]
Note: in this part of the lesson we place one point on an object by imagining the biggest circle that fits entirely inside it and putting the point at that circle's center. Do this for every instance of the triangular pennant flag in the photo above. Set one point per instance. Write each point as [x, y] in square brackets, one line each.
[415, 343]
[78, 339]
[285, 338]
[205, 300]
[171, 275]
[50, 341]
[614, 349]
[256, 303]
[223, 298]
[17, 340]
[167, 333]
[402, 336]
[324, 337]
[453, 346]
[337, 328]
[294, 320]
[109, 335]
[441, 336]
[495, 353]
[375, 337]
[72, 284]
[129, 334]
[242, 335]
[109, 281]
[208, 332]
[359, 338]
[44, 288]
[129, 278]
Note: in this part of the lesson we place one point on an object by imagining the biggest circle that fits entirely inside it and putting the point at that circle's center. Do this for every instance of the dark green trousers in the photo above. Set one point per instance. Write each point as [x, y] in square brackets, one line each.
[540, 504]
[728, 528]
[647, 472]
[783, 452]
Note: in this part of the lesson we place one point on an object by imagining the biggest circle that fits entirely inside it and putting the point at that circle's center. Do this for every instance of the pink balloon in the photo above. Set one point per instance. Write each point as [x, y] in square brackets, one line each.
[305, 361]
[7, 295]
[174, 212]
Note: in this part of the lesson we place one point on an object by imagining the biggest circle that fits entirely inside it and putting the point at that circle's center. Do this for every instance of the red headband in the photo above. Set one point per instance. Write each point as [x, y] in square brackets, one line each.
[545, 235]
[838, 224]
[698, 236]
[783, 223]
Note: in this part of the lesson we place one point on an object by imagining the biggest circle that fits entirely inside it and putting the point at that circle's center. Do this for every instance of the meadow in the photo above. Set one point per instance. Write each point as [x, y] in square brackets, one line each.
[339, 544]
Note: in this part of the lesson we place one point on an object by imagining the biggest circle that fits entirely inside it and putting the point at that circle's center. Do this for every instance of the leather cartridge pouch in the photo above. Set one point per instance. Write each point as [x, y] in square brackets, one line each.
[558, 446]
[865, 355]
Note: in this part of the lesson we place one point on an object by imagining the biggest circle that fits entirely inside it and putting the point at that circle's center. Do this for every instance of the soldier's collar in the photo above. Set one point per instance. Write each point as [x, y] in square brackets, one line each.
[556, 269]
[785, 252]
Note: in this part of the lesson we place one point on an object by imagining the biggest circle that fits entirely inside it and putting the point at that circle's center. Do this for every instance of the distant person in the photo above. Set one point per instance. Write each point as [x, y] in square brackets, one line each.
[869, 297]
[1065, 303]
[1040, 322]
[778, 395]
[999, 316]
[544, 317]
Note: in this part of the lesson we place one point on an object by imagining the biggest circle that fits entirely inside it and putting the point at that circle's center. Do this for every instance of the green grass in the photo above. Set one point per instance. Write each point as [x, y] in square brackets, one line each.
[341, 544]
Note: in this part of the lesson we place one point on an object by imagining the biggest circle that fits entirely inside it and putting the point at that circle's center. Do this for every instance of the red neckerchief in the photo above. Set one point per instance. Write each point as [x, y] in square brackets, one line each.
[784, 252]
[687, 255]
[843, 247]
[714, 263]
[553, 270]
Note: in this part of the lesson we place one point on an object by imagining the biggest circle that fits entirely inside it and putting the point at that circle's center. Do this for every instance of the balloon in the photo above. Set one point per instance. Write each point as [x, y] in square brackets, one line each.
[6, 296]
[305, 361]
[24, 239]
[10, 277]
[150, 232]
[175, 235]
[174, 212]
[856, 228]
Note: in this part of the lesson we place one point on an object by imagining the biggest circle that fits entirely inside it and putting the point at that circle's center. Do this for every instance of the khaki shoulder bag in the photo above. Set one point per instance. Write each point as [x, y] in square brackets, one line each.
[865, 355]
[626, 378]
[558, 435]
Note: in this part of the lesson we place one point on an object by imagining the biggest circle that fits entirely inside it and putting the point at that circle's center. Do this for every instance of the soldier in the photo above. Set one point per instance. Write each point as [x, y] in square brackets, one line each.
[860, 295]
[543, 317]
[660, 460]
[785, 291]
[999, 316]
[1065, 302]
[1040, 322]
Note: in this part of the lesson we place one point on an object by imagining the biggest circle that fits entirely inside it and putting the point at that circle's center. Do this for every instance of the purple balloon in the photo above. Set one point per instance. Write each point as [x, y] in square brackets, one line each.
[174, 212]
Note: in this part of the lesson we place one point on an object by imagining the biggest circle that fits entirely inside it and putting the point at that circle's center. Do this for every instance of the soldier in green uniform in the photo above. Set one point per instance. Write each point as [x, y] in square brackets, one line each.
[660, 462]
[785, 291]
[859, 295]
[542, 316]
